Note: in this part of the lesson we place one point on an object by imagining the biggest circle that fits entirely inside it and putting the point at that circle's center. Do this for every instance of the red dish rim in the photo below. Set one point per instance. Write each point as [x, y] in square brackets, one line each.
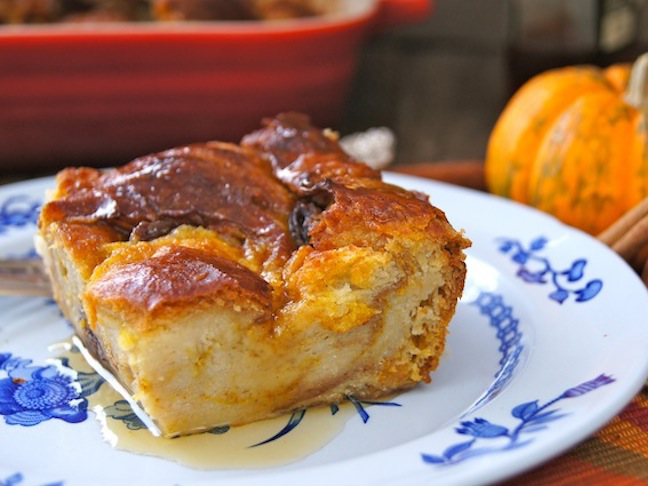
[193, 28]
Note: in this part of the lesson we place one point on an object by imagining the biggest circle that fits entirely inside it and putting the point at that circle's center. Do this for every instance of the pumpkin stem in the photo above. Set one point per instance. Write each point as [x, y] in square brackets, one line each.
[637, 93]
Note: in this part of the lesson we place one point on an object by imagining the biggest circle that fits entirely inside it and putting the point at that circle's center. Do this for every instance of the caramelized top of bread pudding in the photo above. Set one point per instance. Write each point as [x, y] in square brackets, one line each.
[288, 187]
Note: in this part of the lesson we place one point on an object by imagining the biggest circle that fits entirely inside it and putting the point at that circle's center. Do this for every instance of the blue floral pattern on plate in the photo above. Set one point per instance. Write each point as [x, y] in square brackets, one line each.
[535, 269]
[18, 478]
[532, 418]
[297, 416]
[18, 211]
[122, 411]
[30, 395]
[502, 318]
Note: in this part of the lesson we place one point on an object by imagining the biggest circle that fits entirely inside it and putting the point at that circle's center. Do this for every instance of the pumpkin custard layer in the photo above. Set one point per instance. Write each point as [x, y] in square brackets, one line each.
[223, 284]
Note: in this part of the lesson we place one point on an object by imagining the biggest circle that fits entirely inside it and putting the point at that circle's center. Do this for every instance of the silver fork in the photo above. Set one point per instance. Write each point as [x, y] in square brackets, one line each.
[24, 277]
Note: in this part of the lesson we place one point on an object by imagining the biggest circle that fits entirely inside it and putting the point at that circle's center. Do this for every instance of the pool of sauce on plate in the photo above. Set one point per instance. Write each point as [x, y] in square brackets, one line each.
[228, 450]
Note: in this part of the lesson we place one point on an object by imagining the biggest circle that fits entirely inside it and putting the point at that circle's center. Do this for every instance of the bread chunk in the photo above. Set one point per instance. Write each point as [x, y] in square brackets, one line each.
[223, 284]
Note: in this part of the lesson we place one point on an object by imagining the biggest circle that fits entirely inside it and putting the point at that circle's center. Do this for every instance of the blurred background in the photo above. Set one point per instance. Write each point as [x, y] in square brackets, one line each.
[438, 73]
[441, 84]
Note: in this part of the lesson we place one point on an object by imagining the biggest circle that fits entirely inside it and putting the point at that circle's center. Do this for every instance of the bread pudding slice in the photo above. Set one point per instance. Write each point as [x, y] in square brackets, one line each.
[223, 284]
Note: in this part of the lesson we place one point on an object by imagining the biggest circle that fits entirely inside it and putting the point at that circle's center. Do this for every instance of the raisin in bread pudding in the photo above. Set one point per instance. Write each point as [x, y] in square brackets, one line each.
[224, 284]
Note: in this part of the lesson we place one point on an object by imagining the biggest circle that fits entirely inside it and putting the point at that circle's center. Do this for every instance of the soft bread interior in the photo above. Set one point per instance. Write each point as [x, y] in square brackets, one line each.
[363, 322]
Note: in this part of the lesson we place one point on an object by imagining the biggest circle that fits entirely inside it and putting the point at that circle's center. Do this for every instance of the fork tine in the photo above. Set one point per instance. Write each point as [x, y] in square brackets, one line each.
[23, 277]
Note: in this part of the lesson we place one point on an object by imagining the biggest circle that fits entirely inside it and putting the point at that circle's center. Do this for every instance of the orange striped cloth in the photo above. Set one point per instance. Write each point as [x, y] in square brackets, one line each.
[616, 455]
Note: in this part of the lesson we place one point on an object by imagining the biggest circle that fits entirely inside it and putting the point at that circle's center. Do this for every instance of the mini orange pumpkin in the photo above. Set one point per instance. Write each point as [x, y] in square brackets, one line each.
[574, 142]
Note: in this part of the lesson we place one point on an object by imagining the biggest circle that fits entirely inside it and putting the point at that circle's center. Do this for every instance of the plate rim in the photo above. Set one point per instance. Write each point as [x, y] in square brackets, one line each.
[612, 406]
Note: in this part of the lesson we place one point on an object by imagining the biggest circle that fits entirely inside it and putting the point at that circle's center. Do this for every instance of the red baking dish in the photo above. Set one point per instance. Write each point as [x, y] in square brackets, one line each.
[103, 94]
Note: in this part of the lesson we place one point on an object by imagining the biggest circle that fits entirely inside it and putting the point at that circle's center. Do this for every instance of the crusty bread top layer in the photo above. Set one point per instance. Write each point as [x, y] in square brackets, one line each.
[302, 156]
[286, 186]
[176, 273]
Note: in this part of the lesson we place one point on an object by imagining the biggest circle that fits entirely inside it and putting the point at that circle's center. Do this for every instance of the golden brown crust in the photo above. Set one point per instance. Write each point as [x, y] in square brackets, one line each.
[177, 275]
[369, 212]
[204, 185]
[86, 243]
[358, 206]
[302, 156]
[217, 186]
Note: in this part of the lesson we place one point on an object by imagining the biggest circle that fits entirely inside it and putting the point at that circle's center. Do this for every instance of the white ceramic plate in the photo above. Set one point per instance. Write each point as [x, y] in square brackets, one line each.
[549, 342]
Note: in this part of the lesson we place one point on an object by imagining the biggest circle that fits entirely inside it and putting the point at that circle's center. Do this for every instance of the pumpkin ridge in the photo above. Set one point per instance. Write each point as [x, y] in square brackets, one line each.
[539, 102]
[574, 142]
[588, 150]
